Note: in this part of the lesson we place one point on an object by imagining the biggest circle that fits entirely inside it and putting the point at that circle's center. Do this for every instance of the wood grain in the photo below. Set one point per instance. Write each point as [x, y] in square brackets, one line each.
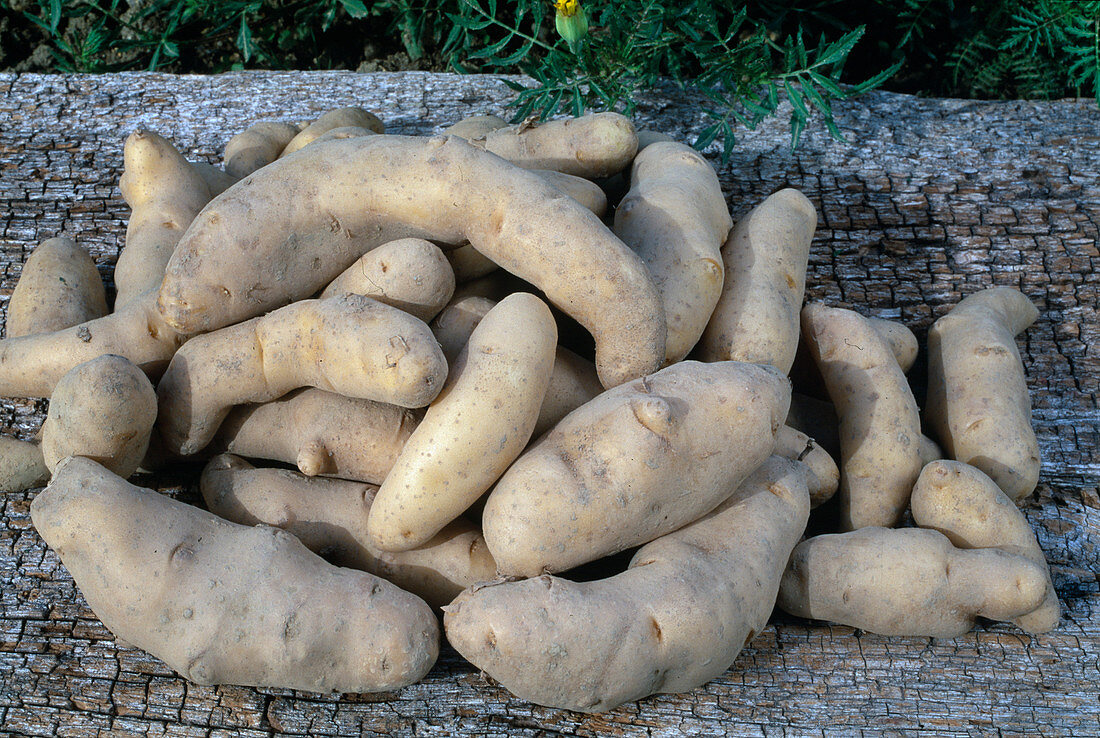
[928, 201]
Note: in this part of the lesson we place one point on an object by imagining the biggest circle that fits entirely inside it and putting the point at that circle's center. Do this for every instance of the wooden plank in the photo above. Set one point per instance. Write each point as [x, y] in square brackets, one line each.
[928, 201]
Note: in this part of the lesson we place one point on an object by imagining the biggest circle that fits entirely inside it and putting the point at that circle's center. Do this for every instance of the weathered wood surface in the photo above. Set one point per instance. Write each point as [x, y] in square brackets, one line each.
[930, 200]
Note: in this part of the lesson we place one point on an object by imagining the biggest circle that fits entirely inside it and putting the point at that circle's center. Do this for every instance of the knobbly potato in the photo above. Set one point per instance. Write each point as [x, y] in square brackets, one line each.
[261, 243]
[970, 509]
[103, 409]
[765, 258]
[350, 117]
[351, 345]
[978, 401]
[257, 146]
[907, 581]
[223, 603]
[673, 621]
[471, 433]
[410, 274]
[322, 433]
[637, 462]
[675, 217]
[59, 287]
[165, 193]
[879, 420]
[31, 366]
[329, 516]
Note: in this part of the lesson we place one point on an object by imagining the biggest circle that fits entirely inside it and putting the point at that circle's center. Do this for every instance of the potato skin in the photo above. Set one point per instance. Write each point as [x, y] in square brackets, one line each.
[348, 344]
[262, 244]
[103, 409]
[675, 217]
[228, 604]
[822, 475]
[329, 516]
[902, 342]
[970, 509]
[674, 620]
[31, 366]
[637, 462]
[472, 432]
[322, 433]
[257, 146]
[21, 465]
[907, 581]
[59, 287]
[410, 274]
[978, 402]
[350, 117]
[879, 420]
[765, 258]
[590, 146]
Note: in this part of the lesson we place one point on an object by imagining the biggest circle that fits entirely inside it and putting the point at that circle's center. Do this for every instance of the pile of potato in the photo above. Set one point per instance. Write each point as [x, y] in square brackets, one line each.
[462, 434]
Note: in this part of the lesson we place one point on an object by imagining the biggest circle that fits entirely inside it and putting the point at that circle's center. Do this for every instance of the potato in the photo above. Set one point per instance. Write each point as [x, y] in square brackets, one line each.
[590, 146]
[344, 132]
[471, 433]
[902, 342]
[410, 274]
[879, 420]
[978, 401]
[217, 181]
[59, 287]
[468, 264]
[351, 345]
[165, 193]
[969, 508]
[257, 146]
[573, 380]
[822, 476]
[586, 193]
[333, 119]
[674, 620]
[228, 604]
[262, 244]
[637, 462]
[907, 581]
[31, 366]
[329, 516]
[21, 465]
[929, 451]
[675, 217]
[321, 433]
[765, 258]
[475, 127]
[103, 409]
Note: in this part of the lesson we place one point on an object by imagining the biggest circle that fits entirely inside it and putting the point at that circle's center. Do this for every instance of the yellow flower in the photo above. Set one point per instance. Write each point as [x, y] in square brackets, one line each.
[570, 20]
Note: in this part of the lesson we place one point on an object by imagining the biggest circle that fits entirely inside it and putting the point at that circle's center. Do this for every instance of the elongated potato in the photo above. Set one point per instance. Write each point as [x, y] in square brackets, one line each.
[907, 581]
[879, 420]
[902, 342]
[765, 257]
[591, 146]
[322, 433]
[586, 193]
[573, 380]
[257, 146]
[223, 603]
[410, 274]
[822, 475]
[21, 465]
[350, 117]
[674, 620]
[970, 509]
[350, 344]
[31, 366]
[103, 409]
[476, 126]
[637, 462]
[59, 287]
[675, 217]
[978, 401]
[165, 193]
[474, 430]
[329, 516]
[263, 244]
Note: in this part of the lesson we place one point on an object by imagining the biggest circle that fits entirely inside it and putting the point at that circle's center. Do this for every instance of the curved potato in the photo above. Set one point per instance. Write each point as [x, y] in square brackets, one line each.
[479, 424]
[257, 146]
[223, 603]
[902, 342]
[978, 401]
[350, 117]
[263, 244]
[590, 146]
[58, 288]
[639, 461]
[822, 475]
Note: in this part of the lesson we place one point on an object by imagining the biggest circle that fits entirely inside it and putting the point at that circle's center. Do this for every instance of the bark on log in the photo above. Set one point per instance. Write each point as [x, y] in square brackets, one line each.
[928, 201]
